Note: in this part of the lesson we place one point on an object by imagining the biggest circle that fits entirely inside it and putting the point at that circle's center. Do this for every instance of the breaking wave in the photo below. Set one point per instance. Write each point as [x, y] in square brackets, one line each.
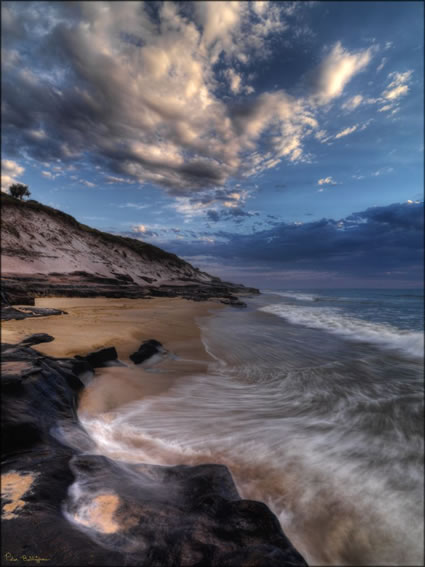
[294, 295]
[333, 321]
[328, 433]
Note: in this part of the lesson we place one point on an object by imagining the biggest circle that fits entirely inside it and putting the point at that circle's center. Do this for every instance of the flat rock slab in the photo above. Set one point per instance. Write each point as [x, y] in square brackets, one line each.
[8, 312]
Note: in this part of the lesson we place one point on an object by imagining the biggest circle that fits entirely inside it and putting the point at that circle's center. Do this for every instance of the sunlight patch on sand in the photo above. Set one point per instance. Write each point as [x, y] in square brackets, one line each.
[13, 487]
[100, 514]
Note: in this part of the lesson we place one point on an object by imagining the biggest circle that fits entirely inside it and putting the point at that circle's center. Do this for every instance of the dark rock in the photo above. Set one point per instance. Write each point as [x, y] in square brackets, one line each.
[157, 516]
[8, 312]
[234, 301]
[37, 338]
[167, 507]
[84, 284]
[99, 358]
[80, 366]
[16, 296]
[146, 350]
[262, 556]
[123, 277]
[37, 393]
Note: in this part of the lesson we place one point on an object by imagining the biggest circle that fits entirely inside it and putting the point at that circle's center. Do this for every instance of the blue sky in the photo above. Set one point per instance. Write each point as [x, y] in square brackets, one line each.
[231, 133]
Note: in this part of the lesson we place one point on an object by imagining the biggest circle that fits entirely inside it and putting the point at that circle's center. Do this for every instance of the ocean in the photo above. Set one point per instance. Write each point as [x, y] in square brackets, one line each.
[314, 400]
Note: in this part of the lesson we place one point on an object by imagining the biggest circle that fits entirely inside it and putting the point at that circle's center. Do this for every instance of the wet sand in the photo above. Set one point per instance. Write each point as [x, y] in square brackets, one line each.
[93, 323]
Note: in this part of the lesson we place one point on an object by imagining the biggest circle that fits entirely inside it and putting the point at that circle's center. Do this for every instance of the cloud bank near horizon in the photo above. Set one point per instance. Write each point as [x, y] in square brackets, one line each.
[380, 241]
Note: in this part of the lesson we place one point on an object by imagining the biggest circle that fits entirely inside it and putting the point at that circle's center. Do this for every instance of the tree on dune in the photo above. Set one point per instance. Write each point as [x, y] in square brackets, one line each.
[19, 191]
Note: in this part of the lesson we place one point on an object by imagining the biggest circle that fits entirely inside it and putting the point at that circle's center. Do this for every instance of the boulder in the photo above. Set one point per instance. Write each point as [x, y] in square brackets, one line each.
[146, 350]
[99, 358]
[37, 338]
[234, 301]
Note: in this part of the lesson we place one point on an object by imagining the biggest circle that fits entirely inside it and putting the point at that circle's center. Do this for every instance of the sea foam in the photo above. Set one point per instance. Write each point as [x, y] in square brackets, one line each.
[333, 321]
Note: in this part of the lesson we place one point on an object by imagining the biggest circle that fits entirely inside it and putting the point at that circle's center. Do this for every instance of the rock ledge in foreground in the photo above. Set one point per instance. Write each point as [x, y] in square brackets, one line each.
[90, 510]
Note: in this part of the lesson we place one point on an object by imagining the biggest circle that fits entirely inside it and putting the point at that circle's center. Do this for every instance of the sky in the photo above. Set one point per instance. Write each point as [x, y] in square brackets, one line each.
[276, 144]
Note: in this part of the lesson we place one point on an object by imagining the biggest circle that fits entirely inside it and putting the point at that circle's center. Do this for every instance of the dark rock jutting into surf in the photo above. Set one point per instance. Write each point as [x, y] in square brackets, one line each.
[90, 510]
[146, 350]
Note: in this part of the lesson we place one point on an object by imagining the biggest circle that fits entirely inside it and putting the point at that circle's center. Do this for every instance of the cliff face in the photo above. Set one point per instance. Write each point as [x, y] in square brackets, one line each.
[47, 252]
[37, 239]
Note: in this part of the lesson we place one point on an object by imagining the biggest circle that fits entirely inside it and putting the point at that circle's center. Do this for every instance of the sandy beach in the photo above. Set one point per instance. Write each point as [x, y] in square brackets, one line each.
[93, 323]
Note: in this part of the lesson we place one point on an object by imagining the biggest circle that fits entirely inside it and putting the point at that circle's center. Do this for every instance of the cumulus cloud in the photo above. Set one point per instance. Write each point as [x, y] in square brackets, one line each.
[144, 230]
[353, 102]
[10, 172]
[111, 179]
[138, 89]
[235, 80]
[336, 70]
[320, 135]
[143, 86]
[397, 88]
[327, 181]
[39, 134]
[396, 92]
[346, 131]
[217, 204]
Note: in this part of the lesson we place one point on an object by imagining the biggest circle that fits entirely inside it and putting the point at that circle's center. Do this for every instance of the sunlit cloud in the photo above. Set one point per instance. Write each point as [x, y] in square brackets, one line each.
[327, 181]
[382, 64]
[110, 179]
[337, 69]
[346, 131]
[397, 88]
[10, 173]
[132, 206]
[353, 102]
[382, 171]
[151, 110]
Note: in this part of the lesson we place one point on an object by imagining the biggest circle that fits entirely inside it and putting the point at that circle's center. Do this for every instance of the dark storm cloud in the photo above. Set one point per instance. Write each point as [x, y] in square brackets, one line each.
[370, 243]
[407, 217]
[230, 213]
[213, 216]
